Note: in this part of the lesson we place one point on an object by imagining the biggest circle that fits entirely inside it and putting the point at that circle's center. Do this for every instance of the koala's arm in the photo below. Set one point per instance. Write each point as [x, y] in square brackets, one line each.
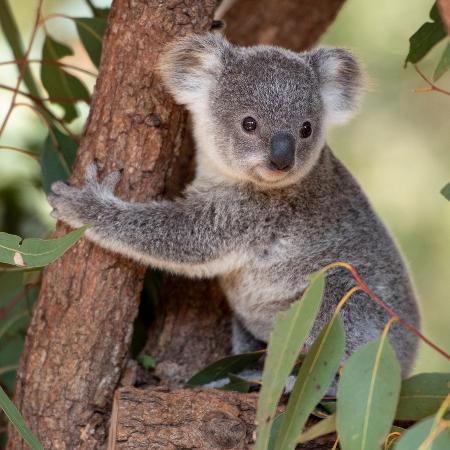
[194, 236]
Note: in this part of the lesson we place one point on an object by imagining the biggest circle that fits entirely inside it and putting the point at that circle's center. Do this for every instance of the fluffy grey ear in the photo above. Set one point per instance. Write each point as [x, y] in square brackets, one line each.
[341, 80]
[191, 64]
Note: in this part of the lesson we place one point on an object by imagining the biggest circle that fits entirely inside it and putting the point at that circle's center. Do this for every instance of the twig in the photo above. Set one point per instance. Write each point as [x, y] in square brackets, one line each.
[50, 62]
[23, 68]
[432, 86]
[23, 151]
[39, 101]
[363, 286]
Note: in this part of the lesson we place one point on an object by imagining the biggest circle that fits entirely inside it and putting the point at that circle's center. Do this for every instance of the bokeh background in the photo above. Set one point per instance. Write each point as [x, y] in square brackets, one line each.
[398, 147]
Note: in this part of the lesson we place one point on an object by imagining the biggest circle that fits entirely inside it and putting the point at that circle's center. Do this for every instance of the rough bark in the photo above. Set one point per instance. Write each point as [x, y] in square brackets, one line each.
[77, 344]
[444, 7]
[158, 419]
[291, 24]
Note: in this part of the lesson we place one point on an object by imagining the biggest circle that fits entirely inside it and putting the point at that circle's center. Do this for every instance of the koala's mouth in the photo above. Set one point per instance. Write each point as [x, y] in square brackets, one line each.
[270, 174]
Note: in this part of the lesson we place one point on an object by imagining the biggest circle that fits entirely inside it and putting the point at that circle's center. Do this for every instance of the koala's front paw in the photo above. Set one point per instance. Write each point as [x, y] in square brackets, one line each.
[81, 206]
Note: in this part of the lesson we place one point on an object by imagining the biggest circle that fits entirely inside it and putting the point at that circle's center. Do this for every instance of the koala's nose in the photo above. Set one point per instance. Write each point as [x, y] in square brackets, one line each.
[282, 150]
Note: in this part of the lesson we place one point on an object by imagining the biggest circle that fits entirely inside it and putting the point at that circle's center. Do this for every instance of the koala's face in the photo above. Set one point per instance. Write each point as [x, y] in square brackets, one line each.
[260, 113]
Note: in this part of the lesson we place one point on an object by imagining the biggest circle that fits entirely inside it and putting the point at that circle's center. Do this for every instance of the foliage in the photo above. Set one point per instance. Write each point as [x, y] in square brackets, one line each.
[370, 394]
[420, 44]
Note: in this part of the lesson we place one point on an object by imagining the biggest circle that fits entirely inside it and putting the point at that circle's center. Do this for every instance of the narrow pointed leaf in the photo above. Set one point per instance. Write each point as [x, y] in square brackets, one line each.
[18, 421]
[35, 252]
[237, 384]
[422, 395]
[367, 396]
[315, 376]
[286, 341]
[417, 435]
[426, 37]
[275, 430]
[223, 367]
[91, 31]
[443, 64]
[62, 87]
[325, 426]
[446, 191]
[57, 158]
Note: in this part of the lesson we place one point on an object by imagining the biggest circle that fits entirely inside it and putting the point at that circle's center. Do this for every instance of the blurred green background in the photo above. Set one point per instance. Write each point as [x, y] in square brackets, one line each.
[398, 146]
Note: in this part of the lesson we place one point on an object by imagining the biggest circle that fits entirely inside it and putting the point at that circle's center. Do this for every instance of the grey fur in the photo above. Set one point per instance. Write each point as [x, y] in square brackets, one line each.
[261, 233]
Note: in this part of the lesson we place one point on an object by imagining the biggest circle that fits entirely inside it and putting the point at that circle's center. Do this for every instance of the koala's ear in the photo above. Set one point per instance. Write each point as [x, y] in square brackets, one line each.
[341, 80]
[191, 64]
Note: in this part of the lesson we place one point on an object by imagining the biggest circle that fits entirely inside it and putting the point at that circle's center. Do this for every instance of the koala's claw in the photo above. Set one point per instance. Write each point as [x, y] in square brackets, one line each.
[111, 180]
[91, 173]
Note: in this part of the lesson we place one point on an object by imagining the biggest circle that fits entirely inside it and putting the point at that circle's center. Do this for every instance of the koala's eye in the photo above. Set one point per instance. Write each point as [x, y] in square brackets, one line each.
[305, 130]
[249, 124]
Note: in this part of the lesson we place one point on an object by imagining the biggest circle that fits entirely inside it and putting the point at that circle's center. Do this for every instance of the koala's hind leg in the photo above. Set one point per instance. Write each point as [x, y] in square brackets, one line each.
[242, 340]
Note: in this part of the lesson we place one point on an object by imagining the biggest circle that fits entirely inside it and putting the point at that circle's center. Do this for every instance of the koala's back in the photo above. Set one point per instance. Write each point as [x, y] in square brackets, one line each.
[299, 230]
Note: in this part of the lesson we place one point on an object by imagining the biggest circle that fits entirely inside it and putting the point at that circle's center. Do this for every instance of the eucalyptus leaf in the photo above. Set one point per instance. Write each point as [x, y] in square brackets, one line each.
[422, 395]
[62, 87]
[91, 31]
[35, 252]
[445, 191]
[275, 430]
[223, 367]
[18, 421]
[443, 64]
[286, 341]
[415, 436]
[325, 426]
[237, 384]
[57, 158]
[426, 37]
[314, 377]
[367, 396]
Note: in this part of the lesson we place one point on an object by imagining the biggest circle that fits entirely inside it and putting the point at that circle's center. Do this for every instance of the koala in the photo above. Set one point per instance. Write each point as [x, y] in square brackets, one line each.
[270, 203]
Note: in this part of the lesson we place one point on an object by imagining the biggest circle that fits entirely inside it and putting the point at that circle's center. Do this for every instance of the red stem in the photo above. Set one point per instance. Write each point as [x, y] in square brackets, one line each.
[363, 286]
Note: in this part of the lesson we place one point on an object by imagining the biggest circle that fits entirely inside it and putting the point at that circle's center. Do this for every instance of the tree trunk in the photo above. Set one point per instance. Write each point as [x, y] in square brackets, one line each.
[287, 23]
[77, 345]
[78, 340]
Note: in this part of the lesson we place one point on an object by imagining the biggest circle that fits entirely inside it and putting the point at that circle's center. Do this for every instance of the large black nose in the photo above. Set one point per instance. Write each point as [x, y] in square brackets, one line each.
[282, 150]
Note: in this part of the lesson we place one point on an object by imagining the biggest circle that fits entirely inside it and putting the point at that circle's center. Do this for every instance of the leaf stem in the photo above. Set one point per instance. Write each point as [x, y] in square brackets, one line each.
[363, 286]
[431, 86]
[51, 62]
[22, 151]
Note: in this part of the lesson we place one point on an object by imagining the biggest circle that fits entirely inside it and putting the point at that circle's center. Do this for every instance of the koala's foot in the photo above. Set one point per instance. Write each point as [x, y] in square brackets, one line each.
[83, 206]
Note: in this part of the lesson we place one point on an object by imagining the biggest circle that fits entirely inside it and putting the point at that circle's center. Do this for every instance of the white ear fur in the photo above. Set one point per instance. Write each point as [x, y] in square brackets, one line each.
[191, 64]
[341, 80]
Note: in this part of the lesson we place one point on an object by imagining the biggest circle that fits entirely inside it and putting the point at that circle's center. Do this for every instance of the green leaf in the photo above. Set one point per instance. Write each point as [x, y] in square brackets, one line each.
[426, 37]
[417, 434]
[275, 430]
[237, 384]
[91, 31]
[422, 395]
[223, 367]
[35, 252]
[146, 361]
[57, 159]
[18, 421]
[62, 87]
[445, 191]
[287, 338]
[367, 396]
[443, 64]
[325, 426]
[315, 376]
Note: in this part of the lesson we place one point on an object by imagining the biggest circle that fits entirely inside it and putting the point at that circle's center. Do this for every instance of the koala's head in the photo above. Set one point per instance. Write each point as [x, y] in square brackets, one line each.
[260, 113]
